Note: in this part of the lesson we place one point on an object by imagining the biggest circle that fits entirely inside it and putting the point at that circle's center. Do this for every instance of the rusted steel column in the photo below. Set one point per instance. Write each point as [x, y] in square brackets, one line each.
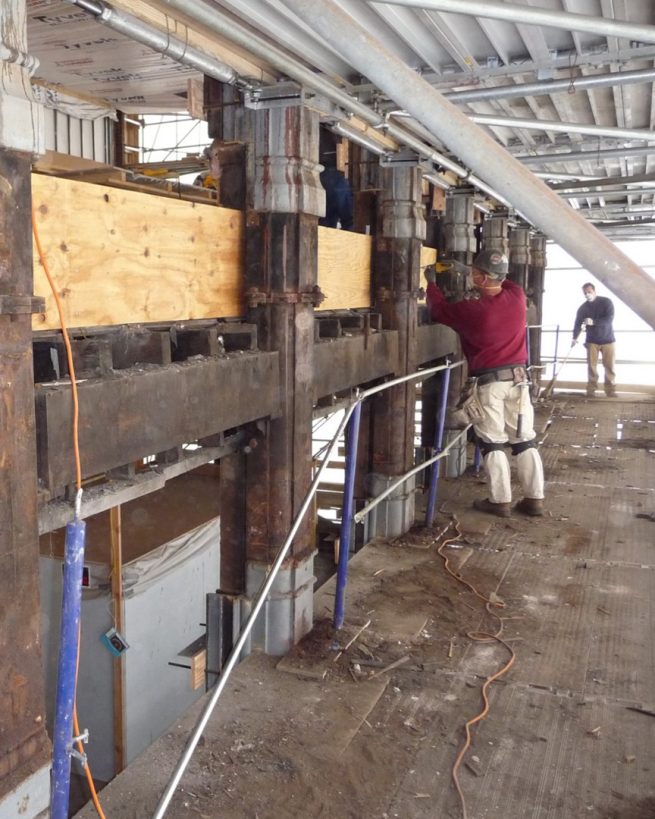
[24, 746]
[519, 256]
[281, 263]
[536, 273]
[397, 271]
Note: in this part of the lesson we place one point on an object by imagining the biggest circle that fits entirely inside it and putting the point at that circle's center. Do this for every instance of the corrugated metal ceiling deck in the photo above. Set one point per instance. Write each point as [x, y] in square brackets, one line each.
[453, 51]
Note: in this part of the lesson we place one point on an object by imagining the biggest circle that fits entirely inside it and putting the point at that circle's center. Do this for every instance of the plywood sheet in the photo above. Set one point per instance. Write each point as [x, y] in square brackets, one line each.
[126, 257]
[428, 256]
[344, 268]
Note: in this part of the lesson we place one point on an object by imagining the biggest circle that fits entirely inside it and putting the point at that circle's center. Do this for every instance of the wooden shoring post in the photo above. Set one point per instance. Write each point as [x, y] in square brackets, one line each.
[118, 610]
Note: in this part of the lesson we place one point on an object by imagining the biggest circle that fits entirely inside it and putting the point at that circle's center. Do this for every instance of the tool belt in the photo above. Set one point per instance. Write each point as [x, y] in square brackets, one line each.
[469, 410]
[513, 372]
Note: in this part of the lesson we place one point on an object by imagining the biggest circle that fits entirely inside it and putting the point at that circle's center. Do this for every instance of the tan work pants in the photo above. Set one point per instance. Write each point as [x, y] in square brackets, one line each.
[502, 401]
[607, 353]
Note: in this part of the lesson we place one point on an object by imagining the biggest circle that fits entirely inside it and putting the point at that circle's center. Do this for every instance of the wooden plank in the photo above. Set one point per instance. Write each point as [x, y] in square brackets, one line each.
[428, 256]
[122, 257]
[344, 268]
[173, 23]
[198, 667]
[116, 540]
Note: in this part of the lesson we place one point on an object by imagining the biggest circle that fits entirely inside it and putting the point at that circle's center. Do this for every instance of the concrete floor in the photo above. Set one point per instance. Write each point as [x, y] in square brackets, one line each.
[571, 727]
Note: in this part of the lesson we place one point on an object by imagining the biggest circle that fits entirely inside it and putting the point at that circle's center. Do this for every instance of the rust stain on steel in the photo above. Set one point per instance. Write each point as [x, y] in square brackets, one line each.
[25, 744]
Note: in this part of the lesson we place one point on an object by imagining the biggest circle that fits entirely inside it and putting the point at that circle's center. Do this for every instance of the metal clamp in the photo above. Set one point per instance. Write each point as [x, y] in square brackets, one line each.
[313, 296]
[79, 755]
[21, 305]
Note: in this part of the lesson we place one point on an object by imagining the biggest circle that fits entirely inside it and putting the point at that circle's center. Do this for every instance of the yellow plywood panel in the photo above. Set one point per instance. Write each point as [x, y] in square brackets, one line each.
[122, 257]
[344, 268]
[428, 256]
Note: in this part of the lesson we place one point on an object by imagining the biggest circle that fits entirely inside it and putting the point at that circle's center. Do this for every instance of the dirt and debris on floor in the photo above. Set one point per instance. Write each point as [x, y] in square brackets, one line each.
[368, 722]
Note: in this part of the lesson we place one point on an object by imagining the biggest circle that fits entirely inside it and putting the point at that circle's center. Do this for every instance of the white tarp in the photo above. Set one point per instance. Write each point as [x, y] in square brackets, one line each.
[140, 574]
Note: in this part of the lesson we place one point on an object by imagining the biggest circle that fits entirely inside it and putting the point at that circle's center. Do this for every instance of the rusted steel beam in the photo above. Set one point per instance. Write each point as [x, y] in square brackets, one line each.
[342, 363]
[25, 746]
[435, 341]
[139, 413]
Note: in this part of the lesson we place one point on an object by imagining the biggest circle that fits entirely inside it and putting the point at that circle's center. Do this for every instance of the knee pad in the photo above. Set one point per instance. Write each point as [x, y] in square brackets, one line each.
[522, 446]
[486, 447]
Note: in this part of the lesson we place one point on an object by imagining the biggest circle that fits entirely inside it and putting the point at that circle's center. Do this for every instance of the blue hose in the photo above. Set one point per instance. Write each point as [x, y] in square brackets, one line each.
[67, 670]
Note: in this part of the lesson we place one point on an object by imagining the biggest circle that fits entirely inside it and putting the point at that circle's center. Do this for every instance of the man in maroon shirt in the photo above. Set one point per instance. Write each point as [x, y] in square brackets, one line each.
[492, 332]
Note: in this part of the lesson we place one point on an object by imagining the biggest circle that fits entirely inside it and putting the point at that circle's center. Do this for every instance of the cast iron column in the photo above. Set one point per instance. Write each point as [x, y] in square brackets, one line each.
[536, 273]
[281, 281]
[396, 271]
[494, 234]
[25, 750]
[519, 256]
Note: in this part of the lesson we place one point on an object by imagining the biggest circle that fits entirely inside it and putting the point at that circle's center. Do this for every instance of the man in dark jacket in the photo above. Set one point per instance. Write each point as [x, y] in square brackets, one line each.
[596, 314]
[492, 332]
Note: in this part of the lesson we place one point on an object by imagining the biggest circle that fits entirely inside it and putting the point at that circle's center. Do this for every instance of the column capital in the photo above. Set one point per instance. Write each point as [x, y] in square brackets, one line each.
[21, 117]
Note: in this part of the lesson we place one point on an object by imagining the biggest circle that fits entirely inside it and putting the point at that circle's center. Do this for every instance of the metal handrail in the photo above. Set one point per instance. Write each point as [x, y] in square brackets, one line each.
[347, 516]
[262, 594]
[400, 481]
[260, 599]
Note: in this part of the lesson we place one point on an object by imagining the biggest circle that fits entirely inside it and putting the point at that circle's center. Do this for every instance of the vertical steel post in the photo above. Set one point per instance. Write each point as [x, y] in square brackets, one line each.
[67, 671]
[352, 437]
[527, 344]
[477, 459]
[555, 353]
[438, 442]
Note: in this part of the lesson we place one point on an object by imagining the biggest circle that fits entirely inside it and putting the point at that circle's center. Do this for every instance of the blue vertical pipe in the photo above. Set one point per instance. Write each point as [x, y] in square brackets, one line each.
[438, 443]
[67, 670]
[555, 353]
[527, 344]
[352, 439]
[477, 459]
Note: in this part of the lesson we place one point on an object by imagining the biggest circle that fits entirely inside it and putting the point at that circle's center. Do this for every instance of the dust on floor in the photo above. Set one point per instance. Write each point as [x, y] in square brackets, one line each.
[368, 722]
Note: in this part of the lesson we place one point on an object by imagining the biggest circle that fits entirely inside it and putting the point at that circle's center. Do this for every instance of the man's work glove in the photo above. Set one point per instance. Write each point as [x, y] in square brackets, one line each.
[574, 341]
[430, 274]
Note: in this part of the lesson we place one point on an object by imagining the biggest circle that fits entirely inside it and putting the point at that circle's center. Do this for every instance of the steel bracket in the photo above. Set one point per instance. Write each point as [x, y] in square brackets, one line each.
[385, 294]
[21, 305]
[313, 295]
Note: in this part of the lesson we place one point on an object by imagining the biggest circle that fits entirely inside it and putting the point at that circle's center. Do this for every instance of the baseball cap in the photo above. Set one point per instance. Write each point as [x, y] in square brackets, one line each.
[492, 262]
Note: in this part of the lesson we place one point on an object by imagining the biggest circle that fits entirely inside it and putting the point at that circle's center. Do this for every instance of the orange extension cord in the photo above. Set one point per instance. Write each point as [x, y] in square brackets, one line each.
[481, 637]
[78, 472]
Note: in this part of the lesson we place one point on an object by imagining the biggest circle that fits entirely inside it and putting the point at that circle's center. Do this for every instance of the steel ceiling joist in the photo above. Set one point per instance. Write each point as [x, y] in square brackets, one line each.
[481, 152]
[591, 155]
[530, 15]
[564, 127]
[567, 85]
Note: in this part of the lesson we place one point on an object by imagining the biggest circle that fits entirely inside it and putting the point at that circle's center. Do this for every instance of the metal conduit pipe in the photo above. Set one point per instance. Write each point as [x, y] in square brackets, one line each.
[585, 156]
[606, 182]
[552, 86]
[569, 21]
[562, 127]
[165, 44]
[482, 153]
[213, 19]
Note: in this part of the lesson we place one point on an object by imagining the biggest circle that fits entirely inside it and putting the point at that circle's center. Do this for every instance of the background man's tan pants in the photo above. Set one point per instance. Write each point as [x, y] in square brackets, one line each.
[606, 352]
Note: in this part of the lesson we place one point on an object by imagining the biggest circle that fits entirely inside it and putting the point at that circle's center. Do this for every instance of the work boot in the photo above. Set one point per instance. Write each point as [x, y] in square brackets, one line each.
[591, 393]
[501, 510]
[610, 393]
[531, 506]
